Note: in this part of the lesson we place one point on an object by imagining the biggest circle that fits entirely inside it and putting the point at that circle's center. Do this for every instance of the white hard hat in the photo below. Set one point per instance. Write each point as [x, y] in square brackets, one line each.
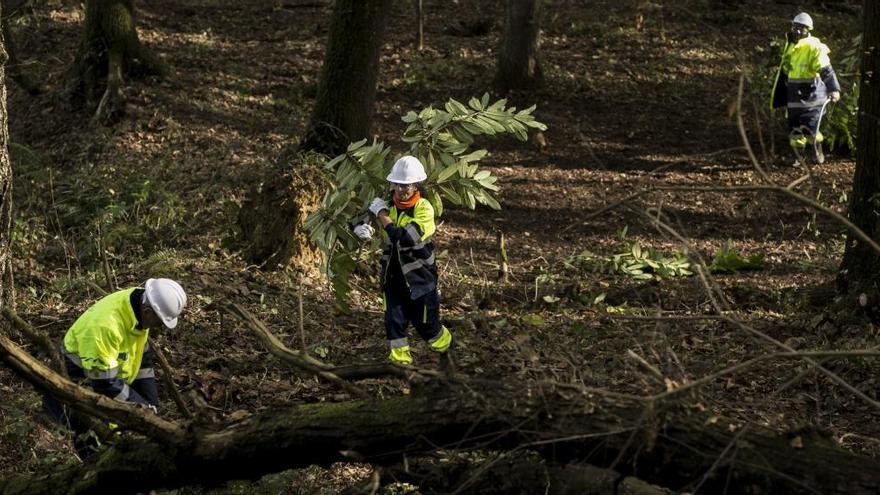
[803, 19]
[167, 299]
[407, 170]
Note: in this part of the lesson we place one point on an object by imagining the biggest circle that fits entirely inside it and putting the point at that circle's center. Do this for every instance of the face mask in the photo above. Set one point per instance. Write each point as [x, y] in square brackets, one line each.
[798, 33]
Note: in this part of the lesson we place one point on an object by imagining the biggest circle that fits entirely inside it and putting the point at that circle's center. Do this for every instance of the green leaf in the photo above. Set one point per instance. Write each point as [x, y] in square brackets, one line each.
[436, 202]
[356, 145]
[550, 299]
[533, 320]
[447, 172]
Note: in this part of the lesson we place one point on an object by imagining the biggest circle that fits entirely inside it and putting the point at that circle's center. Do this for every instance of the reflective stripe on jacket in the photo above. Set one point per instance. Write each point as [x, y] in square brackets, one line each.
[805, 75]
[105, 342]
[407, 243]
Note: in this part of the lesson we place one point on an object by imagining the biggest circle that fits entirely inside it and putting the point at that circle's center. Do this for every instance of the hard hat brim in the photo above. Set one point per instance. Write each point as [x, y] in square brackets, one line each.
[169, 323]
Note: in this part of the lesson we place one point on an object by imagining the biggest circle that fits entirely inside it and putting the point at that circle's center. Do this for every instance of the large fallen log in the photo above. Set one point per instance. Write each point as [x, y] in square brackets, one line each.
[675, 449]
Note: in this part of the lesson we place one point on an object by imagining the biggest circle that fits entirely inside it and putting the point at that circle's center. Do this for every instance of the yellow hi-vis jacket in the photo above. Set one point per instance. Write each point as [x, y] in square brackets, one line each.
[805, 76]
[407, 246]
[106, 344]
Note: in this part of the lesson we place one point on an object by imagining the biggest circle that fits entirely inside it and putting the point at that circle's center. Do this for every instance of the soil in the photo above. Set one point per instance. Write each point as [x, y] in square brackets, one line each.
[638, 96]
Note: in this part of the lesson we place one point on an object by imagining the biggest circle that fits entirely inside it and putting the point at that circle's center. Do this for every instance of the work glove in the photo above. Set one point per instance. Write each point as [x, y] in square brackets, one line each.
[834, 96]
[364, 231]
[377, 205]
[151, 407]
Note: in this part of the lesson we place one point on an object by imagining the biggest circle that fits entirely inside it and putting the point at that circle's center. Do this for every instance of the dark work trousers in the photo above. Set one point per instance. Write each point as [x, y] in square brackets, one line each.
[85, 443]
[805, 120]
[400, 311]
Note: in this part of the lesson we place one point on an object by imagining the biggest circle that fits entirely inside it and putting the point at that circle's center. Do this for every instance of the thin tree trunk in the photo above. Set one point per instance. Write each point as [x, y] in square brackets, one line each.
[347, 88]
[860, 269]
[6, 289]
[109, 51]
[519, 59]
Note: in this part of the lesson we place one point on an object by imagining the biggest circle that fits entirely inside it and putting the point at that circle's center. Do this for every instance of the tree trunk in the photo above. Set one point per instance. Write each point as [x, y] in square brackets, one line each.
[677, 448]
[7, 294]
[110, 50]
[519, 59]
[272, 216]
[347, 88]
[860, 268]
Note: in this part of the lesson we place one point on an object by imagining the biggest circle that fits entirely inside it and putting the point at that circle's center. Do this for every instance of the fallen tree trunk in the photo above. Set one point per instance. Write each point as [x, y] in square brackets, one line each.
[676, 450]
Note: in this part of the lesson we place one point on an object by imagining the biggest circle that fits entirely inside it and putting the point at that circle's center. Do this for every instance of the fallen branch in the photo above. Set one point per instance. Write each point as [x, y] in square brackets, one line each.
[86, 401]
[168, 379]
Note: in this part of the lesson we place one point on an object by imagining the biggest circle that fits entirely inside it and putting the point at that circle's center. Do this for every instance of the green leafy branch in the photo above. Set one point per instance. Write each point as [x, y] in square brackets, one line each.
[441, 139]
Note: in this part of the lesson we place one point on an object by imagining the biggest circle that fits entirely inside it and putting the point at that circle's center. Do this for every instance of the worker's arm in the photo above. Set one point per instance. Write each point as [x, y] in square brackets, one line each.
[145, 382]
[99, 362]
[107, 382]
[414, 232]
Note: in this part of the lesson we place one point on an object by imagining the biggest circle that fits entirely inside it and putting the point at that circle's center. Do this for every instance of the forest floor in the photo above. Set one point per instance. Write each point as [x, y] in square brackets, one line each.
[638, 96]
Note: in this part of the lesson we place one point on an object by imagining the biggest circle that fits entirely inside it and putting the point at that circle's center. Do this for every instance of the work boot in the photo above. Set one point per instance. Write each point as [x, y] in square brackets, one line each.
[819, 156]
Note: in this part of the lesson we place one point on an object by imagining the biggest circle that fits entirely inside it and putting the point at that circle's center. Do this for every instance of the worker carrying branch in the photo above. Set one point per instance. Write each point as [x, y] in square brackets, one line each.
[409, 270]
[108, 348]
[805, 83]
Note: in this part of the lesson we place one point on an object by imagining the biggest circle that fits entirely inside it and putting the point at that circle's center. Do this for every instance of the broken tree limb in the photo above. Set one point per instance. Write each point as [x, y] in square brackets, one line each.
[168, 378]
[86, 401]
[677, 449]
[38, 337]
[334, 374]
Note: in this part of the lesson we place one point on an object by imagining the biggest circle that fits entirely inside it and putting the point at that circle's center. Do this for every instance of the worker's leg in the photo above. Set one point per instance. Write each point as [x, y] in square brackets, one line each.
[395, 326]
[84, 441]
[145, 382]
[805, 138]
[424, 314]
[797, 138]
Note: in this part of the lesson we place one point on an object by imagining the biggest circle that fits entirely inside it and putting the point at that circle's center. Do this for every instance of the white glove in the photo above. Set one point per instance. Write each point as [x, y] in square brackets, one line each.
[364, 231]
[834, 96]
[377, 205]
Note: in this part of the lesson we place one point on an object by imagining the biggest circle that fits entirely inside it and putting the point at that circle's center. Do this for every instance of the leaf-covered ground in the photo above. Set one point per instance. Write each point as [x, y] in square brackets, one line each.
[638, 96]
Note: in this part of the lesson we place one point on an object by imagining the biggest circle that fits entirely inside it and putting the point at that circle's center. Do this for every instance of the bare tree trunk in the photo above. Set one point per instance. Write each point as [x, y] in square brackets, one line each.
[347, 88]
[7, 294]
[110, 50]
[860, 268]
[519, 59]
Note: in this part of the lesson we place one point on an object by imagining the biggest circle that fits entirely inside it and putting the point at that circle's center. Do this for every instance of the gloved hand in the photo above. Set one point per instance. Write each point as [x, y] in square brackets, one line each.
[377, 205]
[364, 231]
[151, 407]
[834, 96]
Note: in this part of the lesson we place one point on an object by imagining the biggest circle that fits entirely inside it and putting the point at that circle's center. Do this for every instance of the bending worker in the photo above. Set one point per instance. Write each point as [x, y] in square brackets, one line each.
[409, 272]
[804, 84]
[108, 346]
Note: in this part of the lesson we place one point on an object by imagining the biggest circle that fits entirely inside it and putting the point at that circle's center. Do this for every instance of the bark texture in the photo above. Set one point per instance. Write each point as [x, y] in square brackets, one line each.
[519, 59]
[347, 87]
[675, 449]
[110, 50]
[7, 294]
[860, 268]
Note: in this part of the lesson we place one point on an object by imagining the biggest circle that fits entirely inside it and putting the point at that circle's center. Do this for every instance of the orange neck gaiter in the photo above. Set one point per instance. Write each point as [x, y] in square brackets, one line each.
[405, 205]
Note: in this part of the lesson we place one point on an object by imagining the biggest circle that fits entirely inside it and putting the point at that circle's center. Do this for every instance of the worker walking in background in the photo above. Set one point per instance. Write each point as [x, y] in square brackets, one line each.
[108, 348]
[804, 84]
[409, 271]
